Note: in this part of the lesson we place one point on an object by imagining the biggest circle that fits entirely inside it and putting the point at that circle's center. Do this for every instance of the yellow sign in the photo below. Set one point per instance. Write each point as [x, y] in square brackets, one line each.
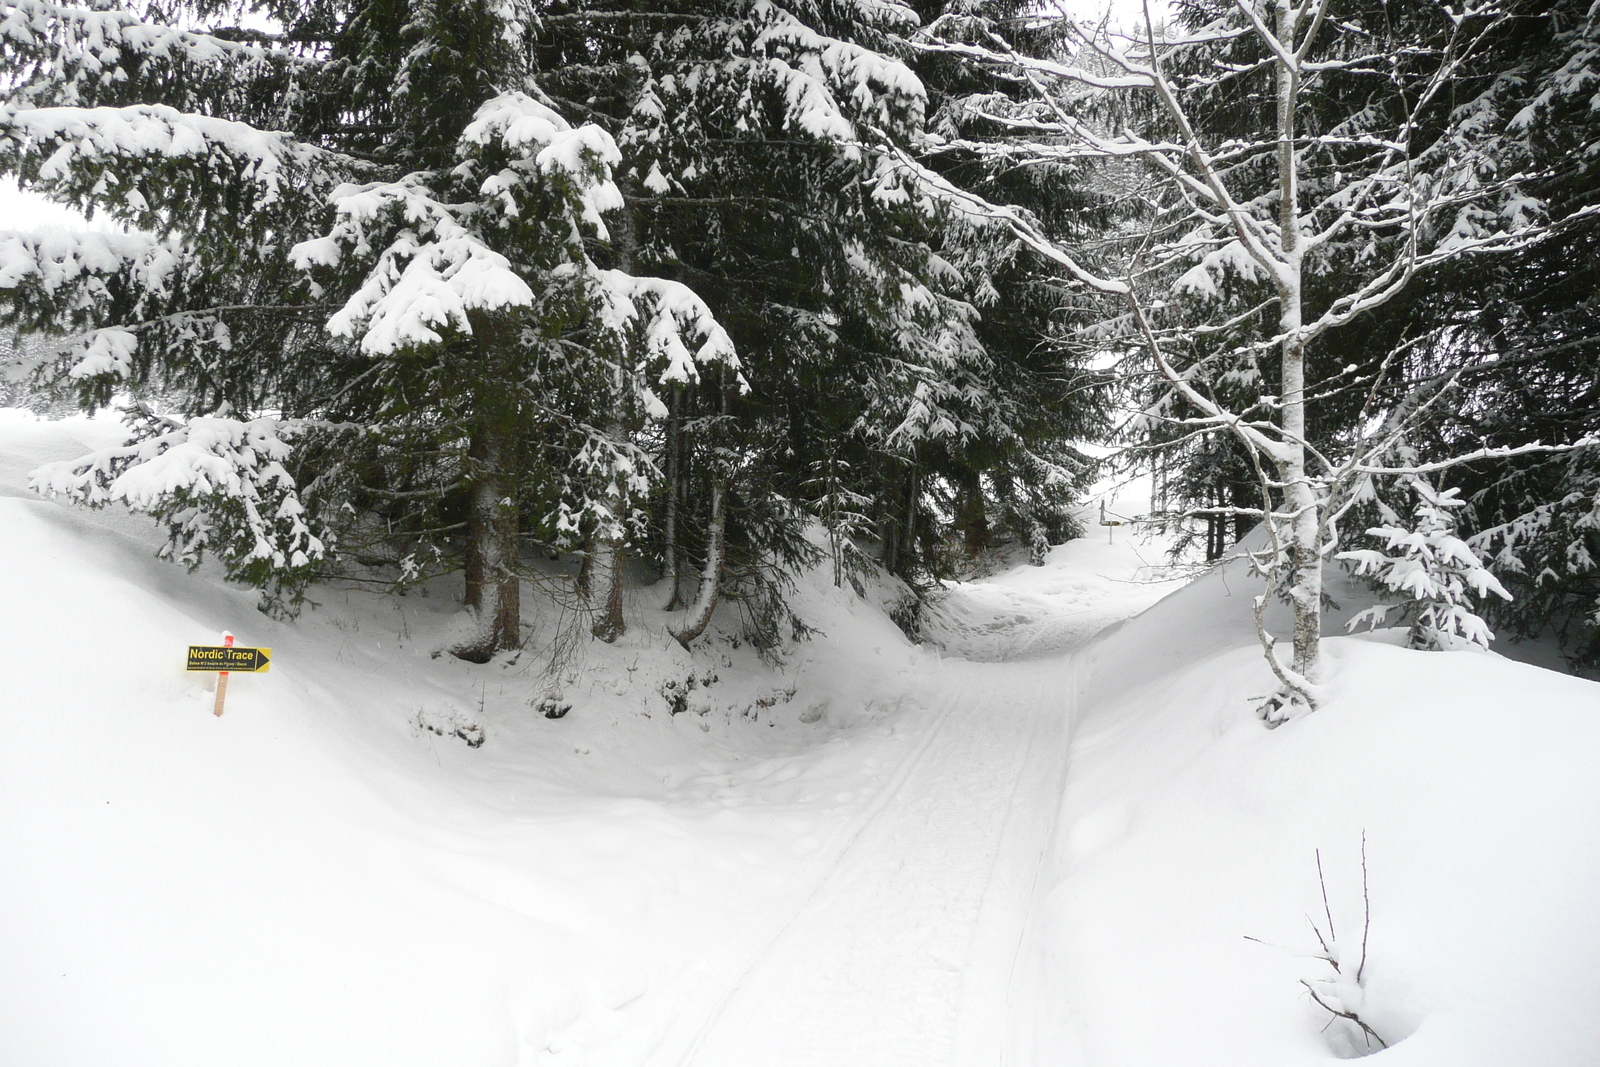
[229, 658]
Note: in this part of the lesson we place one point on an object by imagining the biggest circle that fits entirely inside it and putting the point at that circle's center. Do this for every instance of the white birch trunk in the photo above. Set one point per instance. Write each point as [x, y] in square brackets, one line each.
[1305, 590]
[711, 578]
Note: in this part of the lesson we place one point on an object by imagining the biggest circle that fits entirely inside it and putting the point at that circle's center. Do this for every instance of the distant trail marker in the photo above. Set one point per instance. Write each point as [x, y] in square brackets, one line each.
[1109, 524]
[225, 658]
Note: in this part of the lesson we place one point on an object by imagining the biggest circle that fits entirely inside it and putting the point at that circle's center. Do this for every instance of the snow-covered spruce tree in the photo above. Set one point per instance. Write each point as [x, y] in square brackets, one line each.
[747, 133]
[490, 369]
[1548, 552]
[137, 123]
[368, 224]
[1516, 338]
[759, 150]
[1022, 469]
[426, 254]
[1283, 221]
[841, 510]
[755, 138]
[825, 273]
[1435, 573]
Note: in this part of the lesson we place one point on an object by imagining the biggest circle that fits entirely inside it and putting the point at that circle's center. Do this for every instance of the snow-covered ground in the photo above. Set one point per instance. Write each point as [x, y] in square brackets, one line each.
[1085, 585]
[1022, 844]
[1187, 828]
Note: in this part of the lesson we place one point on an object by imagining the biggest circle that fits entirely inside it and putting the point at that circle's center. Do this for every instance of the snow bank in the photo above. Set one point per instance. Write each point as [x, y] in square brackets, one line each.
[329, 874]
[1187, 828]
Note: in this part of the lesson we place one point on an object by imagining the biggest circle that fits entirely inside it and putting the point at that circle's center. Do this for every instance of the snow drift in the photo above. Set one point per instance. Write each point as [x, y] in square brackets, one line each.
[1187, 829]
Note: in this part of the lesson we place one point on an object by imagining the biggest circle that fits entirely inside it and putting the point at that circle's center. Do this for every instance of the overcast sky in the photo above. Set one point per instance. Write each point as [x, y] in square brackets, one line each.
[1125, 12]
[26, 211]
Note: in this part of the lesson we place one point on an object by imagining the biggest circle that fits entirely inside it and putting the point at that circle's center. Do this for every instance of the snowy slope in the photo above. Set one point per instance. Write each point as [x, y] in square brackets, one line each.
[823, 859]
[861, 852]
[314, 878]
[1187, 828]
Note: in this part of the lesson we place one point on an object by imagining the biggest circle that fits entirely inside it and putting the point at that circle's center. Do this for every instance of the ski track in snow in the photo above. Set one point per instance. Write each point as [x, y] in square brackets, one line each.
[312, 880]
[905, 949]
[902, 950]
[870, 968]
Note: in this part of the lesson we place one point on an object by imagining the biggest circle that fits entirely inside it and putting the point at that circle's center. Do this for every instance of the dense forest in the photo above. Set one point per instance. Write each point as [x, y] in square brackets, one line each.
[656, 289]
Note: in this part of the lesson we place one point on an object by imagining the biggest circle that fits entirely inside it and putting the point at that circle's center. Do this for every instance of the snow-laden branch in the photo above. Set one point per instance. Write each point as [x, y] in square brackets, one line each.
[669, 318]
[433, 262]
[1283, 51]
[973, 206]
[1212, 413]
[218, 482]
[432, 273]
[817, 73]
[81, 138]
[544, 147]
[829, 89]
[1476, 456]
[65, 47]
[69, 272]
[1034, 64]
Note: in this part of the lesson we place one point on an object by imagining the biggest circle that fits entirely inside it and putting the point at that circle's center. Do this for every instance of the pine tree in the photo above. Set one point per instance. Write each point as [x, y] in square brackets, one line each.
[418, 200]
[761, 148]
[1518, 352]
[1019, 470]
[752, 136]
[610, 278]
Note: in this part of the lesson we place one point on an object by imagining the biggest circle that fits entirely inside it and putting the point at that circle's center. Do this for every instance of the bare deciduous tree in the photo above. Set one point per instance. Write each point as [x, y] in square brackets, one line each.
[1321, 221]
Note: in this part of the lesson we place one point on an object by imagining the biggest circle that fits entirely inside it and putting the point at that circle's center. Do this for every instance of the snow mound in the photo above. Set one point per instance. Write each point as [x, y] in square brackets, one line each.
[1188, 830]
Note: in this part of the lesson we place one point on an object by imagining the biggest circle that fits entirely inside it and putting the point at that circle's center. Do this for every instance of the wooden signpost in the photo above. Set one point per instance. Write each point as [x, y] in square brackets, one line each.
[1109, 524]
[226, 658]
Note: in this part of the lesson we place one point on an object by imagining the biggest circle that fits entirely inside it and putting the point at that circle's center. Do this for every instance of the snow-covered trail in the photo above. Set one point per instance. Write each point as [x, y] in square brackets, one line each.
[828, 858]
[845, 855]
[908, 946]
[901, 952]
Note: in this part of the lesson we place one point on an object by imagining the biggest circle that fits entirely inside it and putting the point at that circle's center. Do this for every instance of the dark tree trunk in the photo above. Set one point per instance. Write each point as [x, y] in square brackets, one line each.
[669, 533]
[913, 496]
[494, 592]
[1243, 494]
[891, 541]
[900, 523]
[1216, 532]
[971, 516]
[606, 554]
